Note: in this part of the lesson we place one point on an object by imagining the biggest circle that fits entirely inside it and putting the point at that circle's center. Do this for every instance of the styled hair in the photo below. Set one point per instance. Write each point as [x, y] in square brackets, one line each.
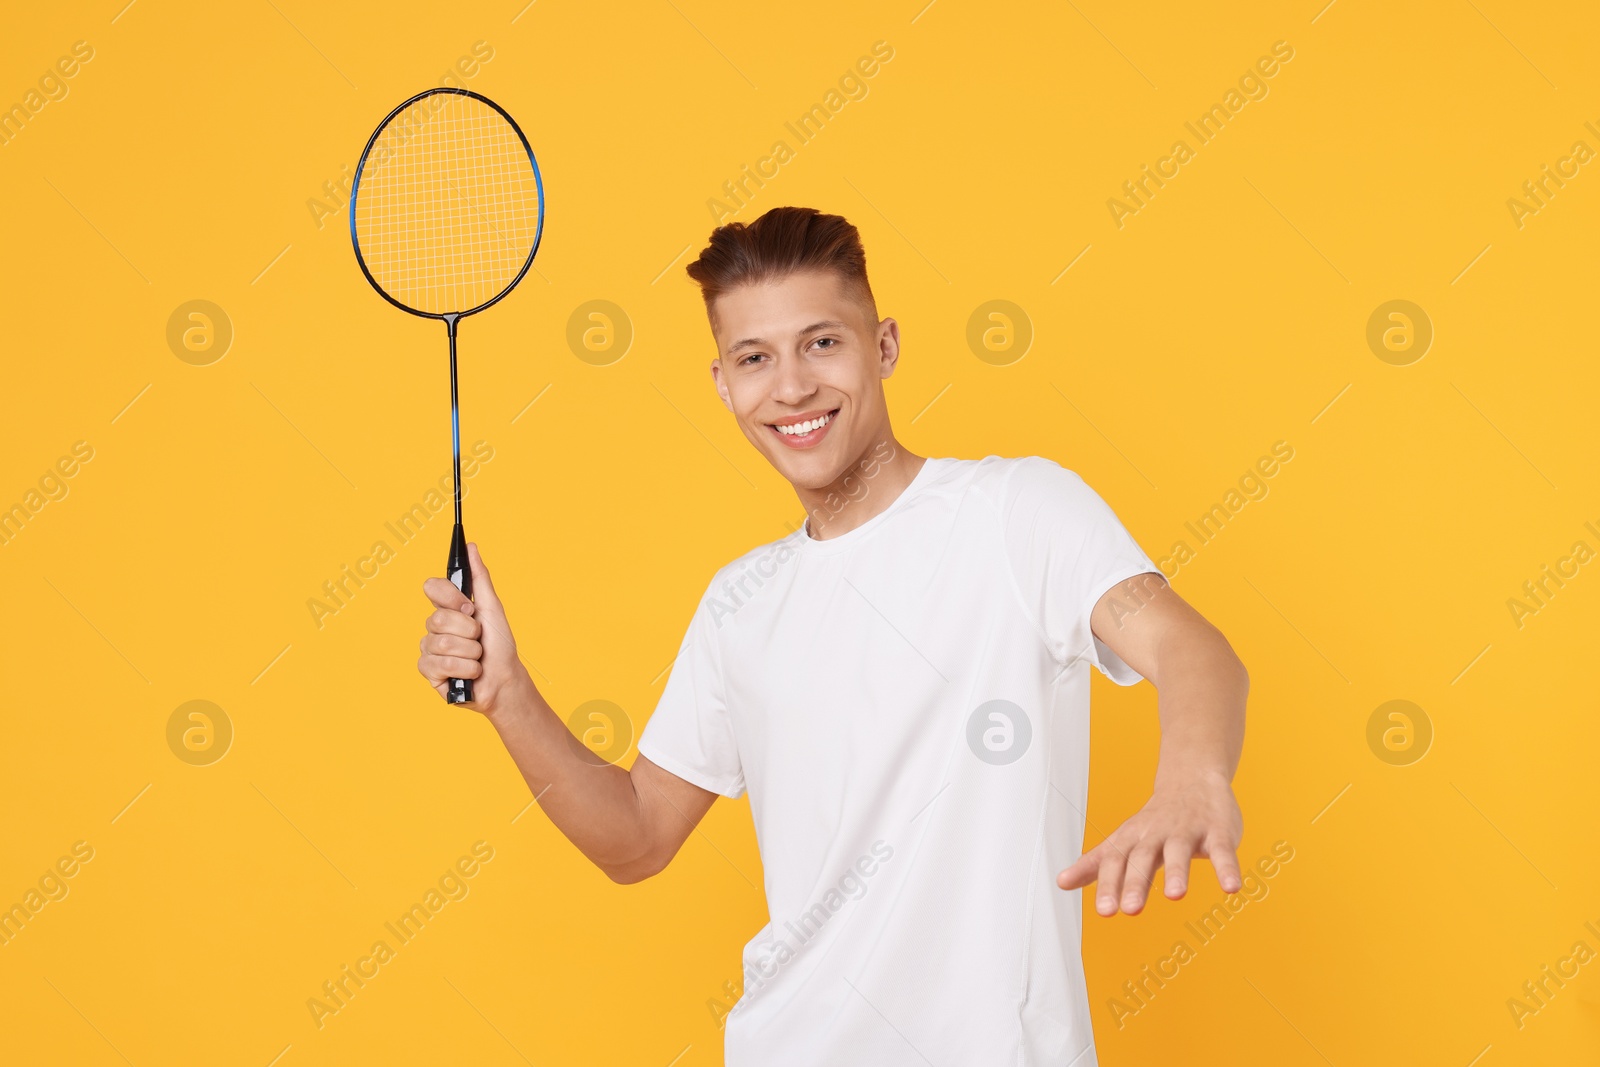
[781, 242]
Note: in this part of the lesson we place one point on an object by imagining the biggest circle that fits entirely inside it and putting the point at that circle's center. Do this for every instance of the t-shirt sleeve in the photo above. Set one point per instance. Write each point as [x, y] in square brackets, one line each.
[1066, 548]
[691, 733]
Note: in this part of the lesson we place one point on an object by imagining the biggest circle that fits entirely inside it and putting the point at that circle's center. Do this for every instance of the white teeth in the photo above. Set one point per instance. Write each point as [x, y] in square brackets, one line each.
[805, 427]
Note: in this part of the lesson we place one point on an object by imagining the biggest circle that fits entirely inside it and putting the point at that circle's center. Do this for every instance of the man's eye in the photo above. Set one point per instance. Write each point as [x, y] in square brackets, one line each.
[752, 358]
[829, 341]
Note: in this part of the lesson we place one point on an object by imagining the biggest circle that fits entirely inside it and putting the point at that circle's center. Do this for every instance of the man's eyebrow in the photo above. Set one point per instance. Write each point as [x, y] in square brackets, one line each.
[750, 342]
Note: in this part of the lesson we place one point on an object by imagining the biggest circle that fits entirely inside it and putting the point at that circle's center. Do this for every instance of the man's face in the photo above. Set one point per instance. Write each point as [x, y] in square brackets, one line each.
[803, 352]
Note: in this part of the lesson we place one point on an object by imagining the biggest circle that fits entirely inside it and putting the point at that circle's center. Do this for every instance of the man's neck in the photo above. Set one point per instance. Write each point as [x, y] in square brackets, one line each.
[865, 489]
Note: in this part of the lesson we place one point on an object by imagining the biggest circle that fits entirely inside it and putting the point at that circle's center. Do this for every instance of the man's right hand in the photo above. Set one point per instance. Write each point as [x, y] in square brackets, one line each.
[471, 639]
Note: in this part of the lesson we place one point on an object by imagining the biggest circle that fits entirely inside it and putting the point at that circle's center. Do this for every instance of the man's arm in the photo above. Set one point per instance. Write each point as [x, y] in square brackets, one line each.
[630, 823]
[1202, 687]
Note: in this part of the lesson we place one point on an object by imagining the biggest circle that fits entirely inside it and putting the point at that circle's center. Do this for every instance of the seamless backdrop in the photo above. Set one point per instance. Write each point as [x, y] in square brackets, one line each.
[222, 780]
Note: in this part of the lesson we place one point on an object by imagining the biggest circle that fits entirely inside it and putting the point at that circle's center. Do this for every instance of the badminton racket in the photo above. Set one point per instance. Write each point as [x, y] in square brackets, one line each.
[446, 213]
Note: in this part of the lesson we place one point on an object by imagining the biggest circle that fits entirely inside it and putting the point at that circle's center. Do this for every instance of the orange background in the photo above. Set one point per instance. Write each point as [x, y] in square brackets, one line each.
[1229, 313]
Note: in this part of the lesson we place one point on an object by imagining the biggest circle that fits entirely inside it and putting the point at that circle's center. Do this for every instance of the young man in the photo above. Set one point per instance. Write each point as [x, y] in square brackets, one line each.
[902, 685]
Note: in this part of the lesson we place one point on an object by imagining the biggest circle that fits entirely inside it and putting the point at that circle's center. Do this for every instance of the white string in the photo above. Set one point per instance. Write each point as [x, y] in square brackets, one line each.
[448, 218]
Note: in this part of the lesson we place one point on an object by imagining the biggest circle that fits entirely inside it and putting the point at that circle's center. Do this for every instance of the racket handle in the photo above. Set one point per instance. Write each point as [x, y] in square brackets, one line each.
[459, 571]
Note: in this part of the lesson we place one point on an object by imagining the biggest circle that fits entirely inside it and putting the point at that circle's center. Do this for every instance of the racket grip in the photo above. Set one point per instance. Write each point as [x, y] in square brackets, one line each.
[459, 571]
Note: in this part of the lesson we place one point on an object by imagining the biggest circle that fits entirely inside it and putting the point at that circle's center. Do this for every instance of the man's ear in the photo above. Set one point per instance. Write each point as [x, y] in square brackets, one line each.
[722, 386]
[888, 347]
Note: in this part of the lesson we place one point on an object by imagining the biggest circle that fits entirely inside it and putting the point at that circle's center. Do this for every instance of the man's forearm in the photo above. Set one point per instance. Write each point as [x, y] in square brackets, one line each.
[590, 801]
[1202, 688]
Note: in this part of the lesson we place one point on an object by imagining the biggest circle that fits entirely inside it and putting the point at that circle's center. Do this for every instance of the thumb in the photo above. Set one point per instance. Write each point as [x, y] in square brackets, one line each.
[1082, 873]
[482, 585]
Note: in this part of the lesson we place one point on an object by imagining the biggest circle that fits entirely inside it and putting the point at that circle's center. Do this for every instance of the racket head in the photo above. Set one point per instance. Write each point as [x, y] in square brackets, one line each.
[447, 206]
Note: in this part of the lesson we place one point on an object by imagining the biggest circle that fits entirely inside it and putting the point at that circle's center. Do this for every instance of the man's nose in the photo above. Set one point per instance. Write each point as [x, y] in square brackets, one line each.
[794, 382]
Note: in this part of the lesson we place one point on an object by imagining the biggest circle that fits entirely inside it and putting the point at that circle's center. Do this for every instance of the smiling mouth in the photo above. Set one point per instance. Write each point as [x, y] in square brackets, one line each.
[804, 432]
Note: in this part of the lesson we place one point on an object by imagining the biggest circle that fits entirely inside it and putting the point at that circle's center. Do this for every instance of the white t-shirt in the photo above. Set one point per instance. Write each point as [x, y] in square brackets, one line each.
[908, 705]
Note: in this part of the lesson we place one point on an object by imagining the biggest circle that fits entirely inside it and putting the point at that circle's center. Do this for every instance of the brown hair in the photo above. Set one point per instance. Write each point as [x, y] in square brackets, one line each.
[779, 243]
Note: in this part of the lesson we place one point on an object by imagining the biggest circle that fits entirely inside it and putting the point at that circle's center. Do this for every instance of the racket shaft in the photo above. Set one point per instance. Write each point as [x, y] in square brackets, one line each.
[459, 571]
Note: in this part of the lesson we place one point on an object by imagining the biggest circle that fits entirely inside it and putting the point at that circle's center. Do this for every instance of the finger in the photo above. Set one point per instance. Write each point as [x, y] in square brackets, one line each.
[448, 621]
[439, 668]
[1175, 860]
[1142, 866]
[451, 645]
[444, 594]
[1083, 872]
[1226, 863]
[482, 584]
[1112, 866]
